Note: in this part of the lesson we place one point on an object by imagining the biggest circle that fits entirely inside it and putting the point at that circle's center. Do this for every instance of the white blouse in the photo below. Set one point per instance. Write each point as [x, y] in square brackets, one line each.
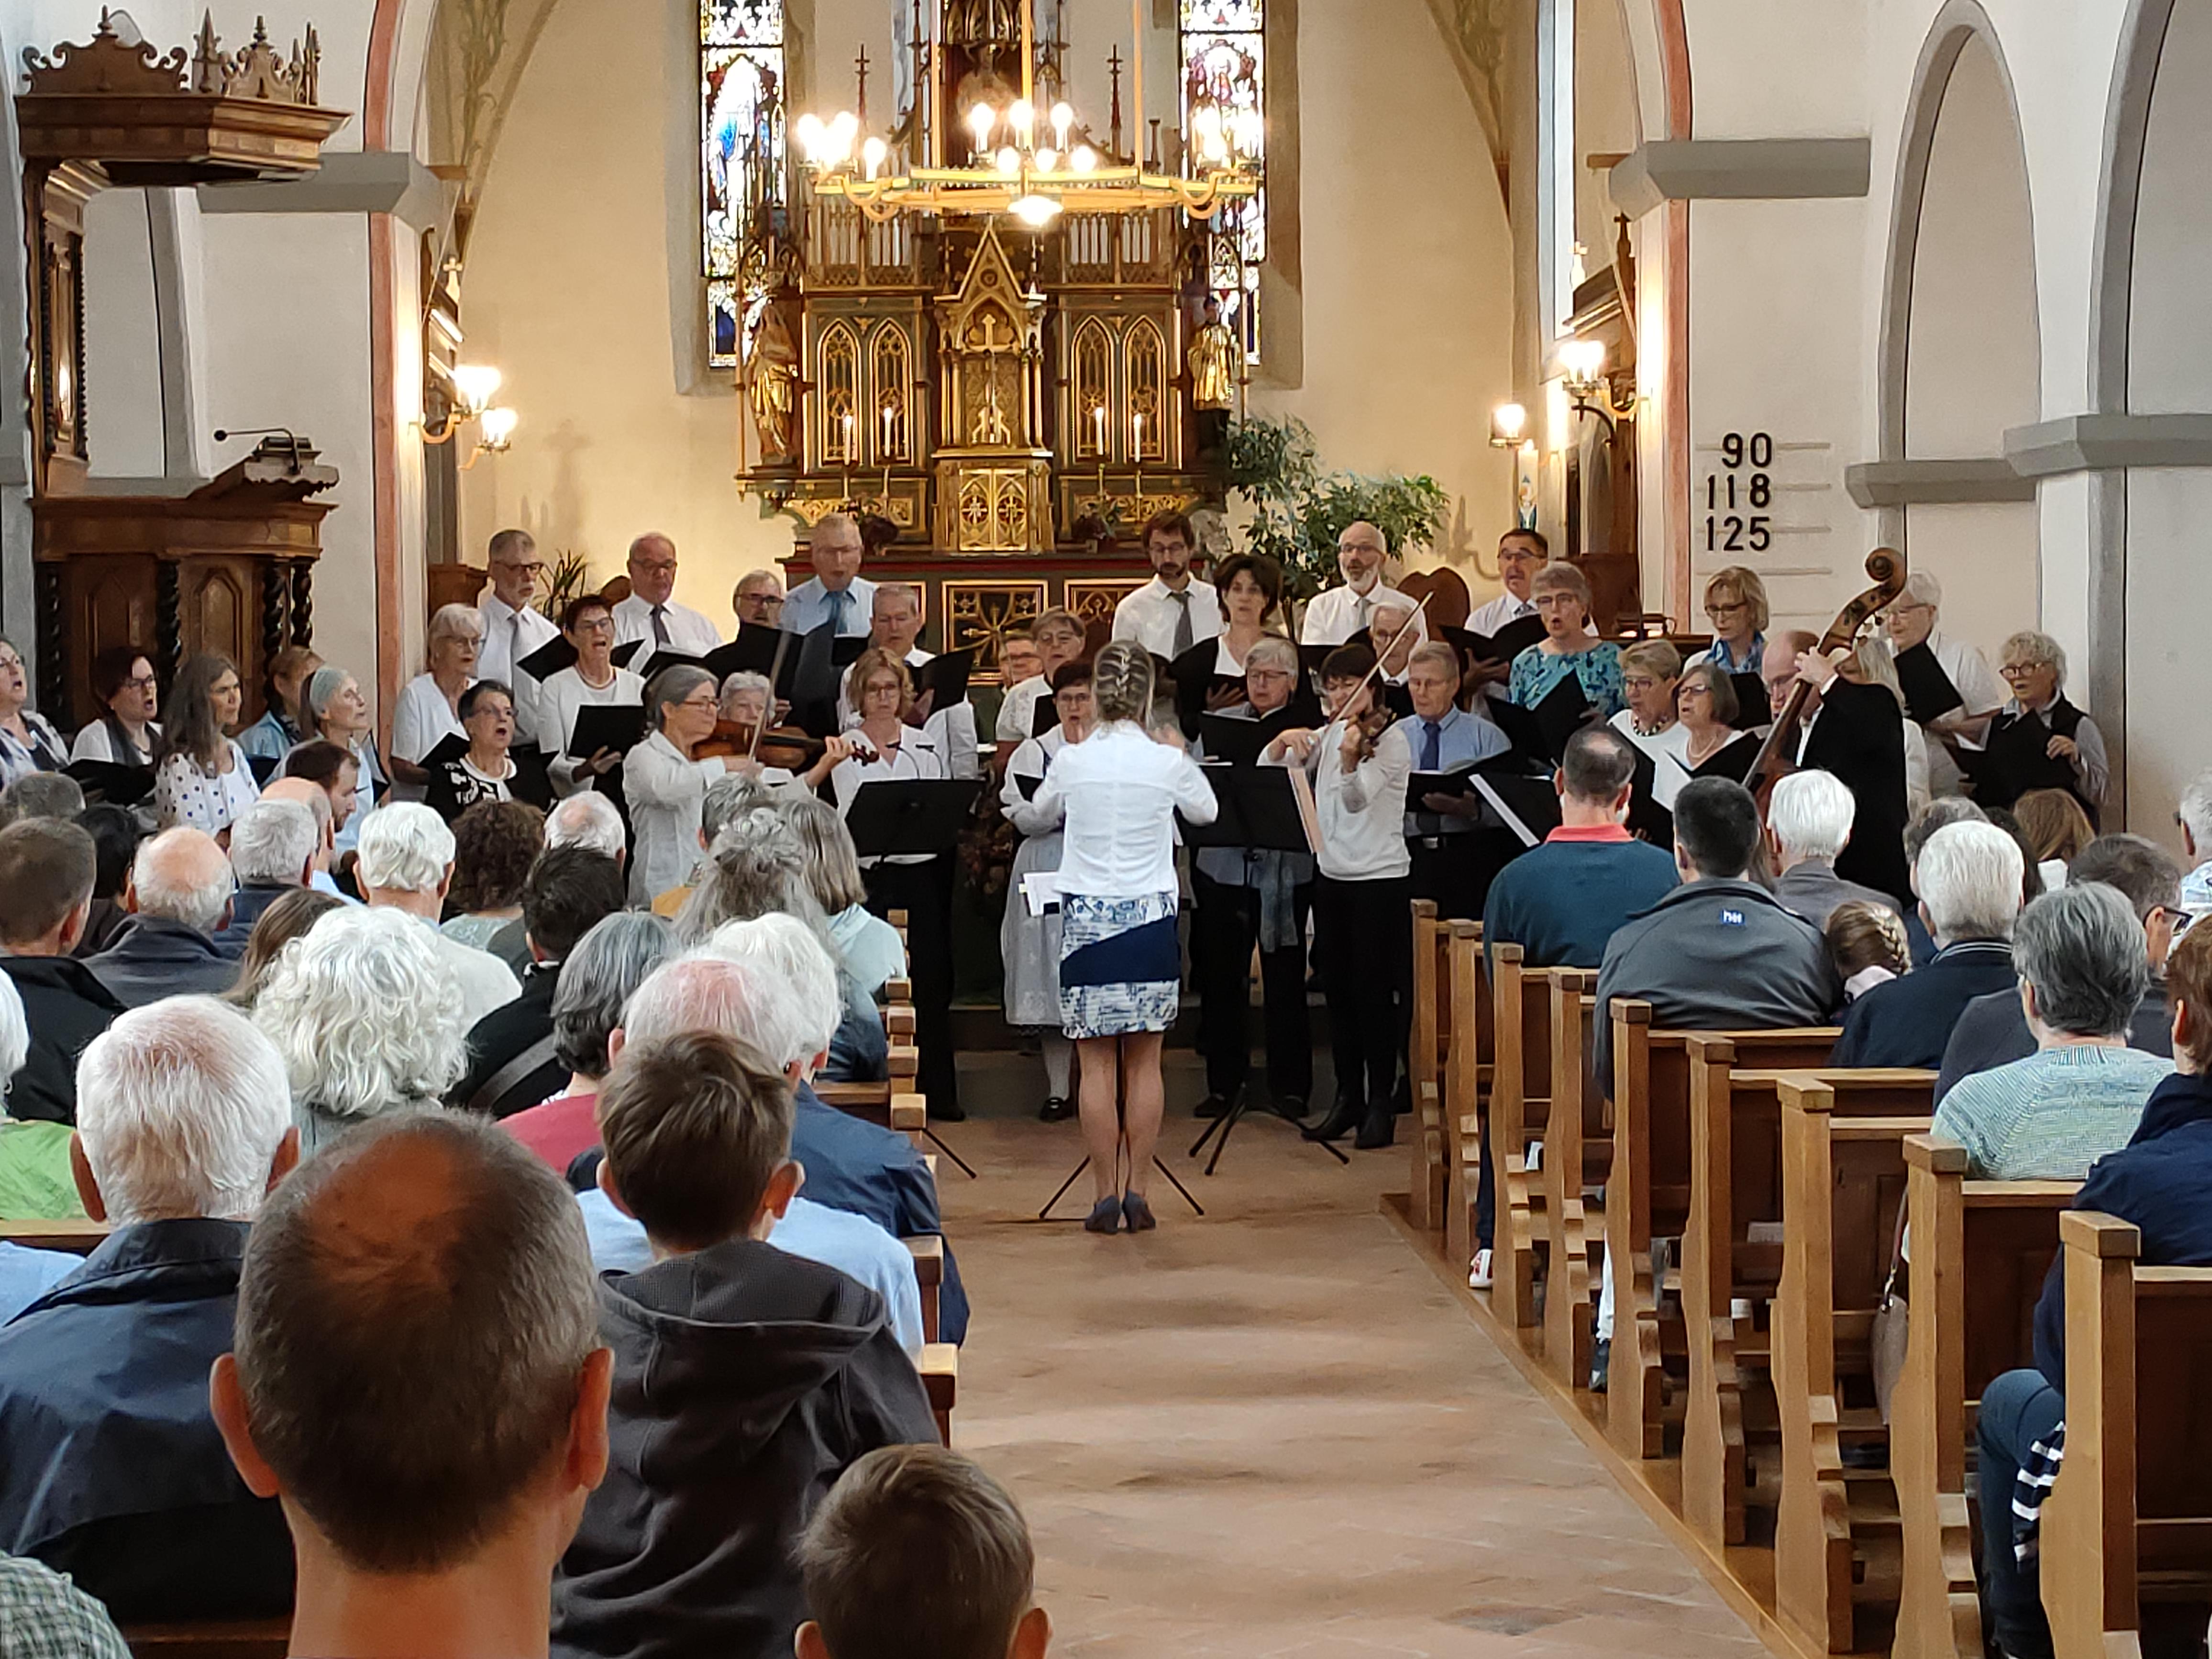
[666, 794]
[98, 742]
[917, 757]
[422, 719]
[1670, 755]
[183, 793]
[1119, 791]
[558, 700]
[1017, 709]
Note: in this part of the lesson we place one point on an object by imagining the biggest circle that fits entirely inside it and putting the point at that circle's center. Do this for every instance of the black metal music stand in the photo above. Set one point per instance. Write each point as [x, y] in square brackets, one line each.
[1223, 1125]
[1121, 1146]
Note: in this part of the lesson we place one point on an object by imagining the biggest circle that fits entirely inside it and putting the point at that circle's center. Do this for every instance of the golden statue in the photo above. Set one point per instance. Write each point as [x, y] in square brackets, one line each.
[1211, 359]
[773, 368]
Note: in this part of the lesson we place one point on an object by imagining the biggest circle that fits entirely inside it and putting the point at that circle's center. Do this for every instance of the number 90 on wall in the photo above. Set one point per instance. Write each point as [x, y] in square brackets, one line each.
[1738, 494]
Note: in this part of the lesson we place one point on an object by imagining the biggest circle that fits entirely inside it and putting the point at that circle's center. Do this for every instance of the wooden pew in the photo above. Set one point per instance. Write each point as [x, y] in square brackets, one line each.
[1426, 1060]
[1467, 1074]
[939, 1366]
[1980, 1249]
[79, 1236]
[1837, 1546]
[1736, 1185]
[1520, 1104]
[1647, 1197]
[2127, 1530]
[1577, 1155]
[214, 1638]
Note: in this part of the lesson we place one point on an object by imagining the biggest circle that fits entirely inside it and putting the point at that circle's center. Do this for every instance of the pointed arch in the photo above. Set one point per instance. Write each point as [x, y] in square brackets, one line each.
[1094, 387]
[1147, 402]
[890, 383]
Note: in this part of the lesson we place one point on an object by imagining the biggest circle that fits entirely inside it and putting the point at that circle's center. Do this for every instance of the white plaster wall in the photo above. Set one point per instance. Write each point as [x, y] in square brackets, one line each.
[122, 346]
[2169, 326]
[1605, 121]
[2169, 674]
[1777, 68]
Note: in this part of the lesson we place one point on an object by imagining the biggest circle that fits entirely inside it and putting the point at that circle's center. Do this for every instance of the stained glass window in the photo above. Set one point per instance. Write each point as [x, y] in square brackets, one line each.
[741, 178]
[1224, 53]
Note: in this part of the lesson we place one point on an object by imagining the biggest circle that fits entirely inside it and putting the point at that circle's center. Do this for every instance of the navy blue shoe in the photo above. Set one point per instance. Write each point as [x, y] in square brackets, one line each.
[1105, 1215]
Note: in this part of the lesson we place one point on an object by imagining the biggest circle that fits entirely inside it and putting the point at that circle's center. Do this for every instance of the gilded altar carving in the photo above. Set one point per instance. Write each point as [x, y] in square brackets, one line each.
[977, 615]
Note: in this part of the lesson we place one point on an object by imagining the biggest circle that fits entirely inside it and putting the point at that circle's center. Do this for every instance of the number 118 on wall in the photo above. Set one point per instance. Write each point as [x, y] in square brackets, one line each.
[1738, 494]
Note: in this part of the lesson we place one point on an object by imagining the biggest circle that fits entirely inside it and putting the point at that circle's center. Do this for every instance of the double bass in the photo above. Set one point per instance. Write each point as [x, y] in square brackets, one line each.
[1773, 762]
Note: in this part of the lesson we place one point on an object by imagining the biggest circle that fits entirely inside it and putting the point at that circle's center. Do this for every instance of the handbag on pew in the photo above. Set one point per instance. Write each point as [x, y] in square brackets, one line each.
[1891, 1322]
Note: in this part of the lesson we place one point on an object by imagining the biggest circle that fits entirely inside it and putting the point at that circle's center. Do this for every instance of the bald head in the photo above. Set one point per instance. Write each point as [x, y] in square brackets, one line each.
[653, 568]
[1778, 668]
[181, 875]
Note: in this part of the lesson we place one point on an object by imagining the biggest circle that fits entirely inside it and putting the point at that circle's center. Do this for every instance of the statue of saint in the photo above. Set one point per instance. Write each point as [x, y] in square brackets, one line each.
[1211, 360]
[773, 365]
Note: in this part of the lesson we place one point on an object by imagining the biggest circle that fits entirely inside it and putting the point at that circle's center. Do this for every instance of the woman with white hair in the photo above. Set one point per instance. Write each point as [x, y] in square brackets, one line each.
[430, 708]
[340, 714]
[367, 1018]
[2040, 740]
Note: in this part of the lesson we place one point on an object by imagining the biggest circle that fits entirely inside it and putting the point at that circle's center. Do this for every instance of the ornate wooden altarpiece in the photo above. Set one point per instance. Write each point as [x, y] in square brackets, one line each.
[1015, 403]
[227, 567]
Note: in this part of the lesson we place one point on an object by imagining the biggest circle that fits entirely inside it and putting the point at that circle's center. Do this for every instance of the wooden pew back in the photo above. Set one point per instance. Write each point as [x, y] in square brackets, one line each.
[1577, 1154]
[1520, 1079]
[79, 1237]
[214, 1638]
[1425, 1058]
[1467, 1071]
[2127, 1530]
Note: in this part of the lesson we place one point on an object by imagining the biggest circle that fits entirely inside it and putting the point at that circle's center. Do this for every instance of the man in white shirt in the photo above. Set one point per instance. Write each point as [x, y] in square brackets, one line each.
[1337, 614]
[651, 613]
[406, 863]
[1910, 621]
[837, 591]
[1521, 555]
[1175, 611]
[513, 628]
[895, 628]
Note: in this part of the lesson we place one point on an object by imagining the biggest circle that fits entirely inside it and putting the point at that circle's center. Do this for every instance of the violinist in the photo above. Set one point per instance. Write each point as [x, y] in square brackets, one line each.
[1853, 727]
[1363, 921]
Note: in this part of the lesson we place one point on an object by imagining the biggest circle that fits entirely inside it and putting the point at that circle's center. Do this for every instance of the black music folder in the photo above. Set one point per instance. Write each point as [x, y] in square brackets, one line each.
[619, 726]
[1929, 692]
[1044, 716]
[1731, 760]
[945, 678]
[1259, 809]
[1524, 803]
[1507, 643]
[124, 786]
[891, 817]
[557, 653]
[449, 749]
[1540, 733]
[1752, 710]
[1236, 739]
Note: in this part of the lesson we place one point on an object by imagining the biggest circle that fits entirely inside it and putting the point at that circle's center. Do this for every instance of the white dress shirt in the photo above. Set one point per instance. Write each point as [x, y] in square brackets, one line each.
[917, 757]
[806, 607]
[1018, 709]
[558, 701]
[509, 636]
[1151, 615]
[1337, 613]
[1361, 812]
[665, 793]
[688, 631]
[422, 719]
[1488, 618]
[1119, 791]
[952, 729]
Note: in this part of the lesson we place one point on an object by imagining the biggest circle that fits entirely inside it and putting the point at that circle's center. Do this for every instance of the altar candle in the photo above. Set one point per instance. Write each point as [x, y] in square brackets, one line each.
[1140, 447]
[1098, 415]
[848, 435]
[889, 419]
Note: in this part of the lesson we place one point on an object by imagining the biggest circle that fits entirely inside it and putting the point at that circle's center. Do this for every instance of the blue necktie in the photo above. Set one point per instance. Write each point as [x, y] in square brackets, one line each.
[1431, 746]
[840, 603]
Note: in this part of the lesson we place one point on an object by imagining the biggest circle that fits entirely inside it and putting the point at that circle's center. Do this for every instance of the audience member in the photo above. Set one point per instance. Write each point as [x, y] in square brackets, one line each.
[116, 832]
[1993, 1030]
[300, 792]
[44, 1616]
[589, 820]
[917, 1554]
[45, 894]
[201, 776]
[111, 1470]
[2056, 829]
[2159, 1182]
[418, 1376]
[341, 715]
[178, 897]
[869, 947]
[1808, 823]
[513, 1063]
[37, 1182]
[1968, 879]
[1942, 811]
[274, 846]
[495, 844]
[285, 724]
[407, 865]
[2194, 815]
[1867, 941]
[2082, 972]
[730, 1354]
[367, 1016]
[608, 964]
[41, 795]
[289, 918]
[335, 770]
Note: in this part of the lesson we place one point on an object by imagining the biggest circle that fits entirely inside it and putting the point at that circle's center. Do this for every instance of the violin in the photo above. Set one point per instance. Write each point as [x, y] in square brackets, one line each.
[1371, 725]
[1886, 566]
[787, 746]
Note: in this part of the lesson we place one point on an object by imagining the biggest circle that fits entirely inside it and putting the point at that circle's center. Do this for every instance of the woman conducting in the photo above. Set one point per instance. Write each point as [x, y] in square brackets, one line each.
[1120, 968]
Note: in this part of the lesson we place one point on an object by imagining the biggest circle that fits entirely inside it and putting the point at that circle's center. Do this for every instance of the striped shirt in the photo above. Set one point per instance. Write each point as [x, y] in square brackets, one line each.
[2049, 1117]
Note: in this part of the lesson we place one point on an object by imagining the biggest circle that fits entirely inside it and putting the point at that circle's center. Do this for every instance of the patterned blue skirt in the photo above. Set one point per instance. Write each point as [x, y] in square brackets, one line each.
[1121, 964]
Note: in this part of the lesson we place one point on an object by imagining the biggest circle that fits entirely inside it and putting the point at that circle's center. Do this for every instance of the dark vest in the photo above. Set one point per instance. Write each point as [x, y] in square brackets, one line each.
[2015, 759]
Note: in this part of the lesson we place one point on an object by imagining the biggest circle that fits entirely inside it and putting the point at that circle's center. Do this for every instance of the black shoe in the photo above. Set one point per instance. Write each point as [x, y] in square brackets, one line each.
[1344, 1117]
[1217, 1105]
[1137, 1215]
[1105, 1215]
[1600, 1358]
[1057, 1108]
[1378, 1129]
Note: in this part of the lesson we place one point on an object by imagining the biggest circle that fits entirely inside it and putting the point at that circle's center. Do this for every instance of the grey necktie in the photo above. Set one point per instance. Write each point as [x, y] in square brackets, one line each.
[1183, 638]
[841, 602]
[514, 644]
[659, 625]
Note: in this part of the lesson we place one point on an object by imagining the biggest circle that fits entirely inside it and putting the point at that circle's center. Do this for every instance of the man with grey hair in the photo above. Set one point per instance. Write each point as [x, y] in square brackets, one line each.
[837, 593]
[406, 863]
[588, 820]
[179, 896]
[2082, 969]
[1968, 879]
[41, 795]
[758, 598]
[275, 846]
[1809, 824]
[650, 614]
[2194, 815]
[513, 627]
[110, 1468]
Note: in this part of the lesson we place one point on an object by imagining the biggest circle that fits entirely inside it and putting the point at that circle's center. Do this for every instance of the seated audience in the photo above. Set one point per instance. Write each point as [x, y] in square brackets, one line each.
[41, 795]
[1808, 823]
[201, 776]
[49, 1618]
[111, 1470]
[730, 1354]
[869, 946]
[2057, 829]
[1968, 879]
[608, 964]
[2048, 1117]
[285, 724]
[407, 864]
[36, 1181]
[1993, 1031]
[495, 843]
[418, 1376]
[116, 833]
[587, 820]
[2159, 1182]
[288, 918]
[2194, 815]
[879, 1561]
[724, 801]
[1924, 823]
[1867, 941]
[367, 1016]
[334, 769]
[45, 894]
[274, 847]
[178, 897]
[512, 1062]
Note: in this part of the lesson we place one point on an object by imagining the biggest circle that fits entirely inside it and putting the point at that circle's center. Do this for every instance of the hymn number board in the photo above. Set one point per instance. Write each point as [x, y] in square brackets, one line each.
[1758, 490]
[1739, 504]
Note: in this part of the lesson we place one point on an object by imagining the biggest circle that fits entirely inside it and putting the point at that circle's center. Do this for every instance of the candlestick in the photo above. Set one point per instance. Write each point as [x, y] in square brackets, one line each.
[889, 430]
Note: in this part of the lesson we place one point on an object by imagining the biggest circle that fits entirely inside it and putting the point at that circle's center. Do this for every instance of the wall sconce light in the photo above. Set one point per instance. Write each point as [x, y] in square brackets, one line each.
[474, 387]
[1509, 423]
[1588, 387]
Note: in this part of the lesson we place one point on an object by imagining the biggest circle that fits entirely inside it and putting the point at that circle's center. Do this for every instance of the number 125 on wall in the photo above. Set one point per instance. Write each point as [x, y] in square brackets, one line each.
[1738, 492]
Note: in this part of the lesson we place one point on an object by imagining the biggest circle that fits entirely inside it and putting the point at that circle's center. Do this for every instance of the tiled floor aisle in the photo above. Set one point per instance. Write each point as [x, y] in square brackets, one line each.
[1270, 1432]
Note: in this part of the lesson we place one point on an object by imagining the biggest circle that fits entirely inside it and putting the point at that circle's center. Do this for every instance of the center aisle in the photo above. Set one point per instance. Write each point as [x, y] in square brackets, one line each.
[1271, 1432]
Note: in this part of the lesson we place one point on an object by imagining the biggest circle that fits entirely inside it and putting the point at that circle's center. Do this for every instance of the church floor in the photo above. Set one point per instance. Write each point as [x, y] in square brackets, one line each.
[1273, 1431]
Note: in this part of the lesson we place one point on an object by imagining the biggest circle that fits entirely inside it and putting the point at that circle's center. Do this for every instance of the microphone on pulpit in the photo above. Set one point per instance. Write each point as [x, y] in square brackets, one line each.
[291, 439]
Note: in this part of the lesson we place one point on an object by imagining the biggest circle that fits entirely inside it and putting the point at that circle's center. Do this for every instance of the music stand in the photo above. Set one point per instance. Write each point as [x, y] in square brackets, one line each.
[1259, 810]
[1120, 1146]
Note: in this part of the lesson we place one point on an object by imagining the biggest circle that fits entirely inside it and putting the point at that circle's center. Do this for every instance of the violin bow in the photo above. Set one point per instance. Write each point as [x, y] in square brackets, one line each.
[774, 673]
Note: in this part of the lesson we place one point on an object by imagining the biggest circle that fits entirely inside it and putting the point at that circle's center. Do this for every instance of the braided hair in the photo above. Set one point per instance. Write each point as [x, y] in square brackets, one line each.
[1121, 683]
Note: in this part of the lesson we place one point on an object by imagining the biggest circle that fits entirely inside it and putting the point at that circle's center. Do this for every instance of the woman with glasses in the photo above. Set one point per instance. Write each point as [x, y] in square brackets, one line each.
[129, 695]
[339, 715]
[486, 771]
[429, 708]
[2038, 740]
[201, 776]
[666, 787]
[1562, 597]
[28, 742]
[592, 681]
[1735, 605]
[1705, 703]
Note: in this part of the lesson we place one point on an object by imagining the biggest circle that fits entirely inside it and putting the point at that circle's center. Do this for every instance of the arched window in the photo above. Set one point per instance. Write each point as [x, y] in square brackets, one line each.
[1148, 374]
[1224, 54]
[891, 387]
[840, 396]
[741, 160]
[1093, 359]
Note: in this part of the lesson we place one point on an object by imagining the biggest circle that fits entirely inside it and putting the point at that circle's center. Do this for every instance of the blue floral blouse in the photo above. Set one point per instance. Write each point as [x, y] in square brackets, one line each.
[1536, 672]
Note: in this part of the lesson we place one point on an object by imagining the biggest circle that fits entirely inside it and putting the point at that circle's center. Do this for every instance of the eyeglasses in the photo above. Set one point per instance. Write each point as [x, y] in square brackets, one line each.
[700, 704]
[140, 682]
[1639, 683]
[9, 659]
[1718, 610]
[658, 567]
[596, 625]
[1556, 601]
[535, 568]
